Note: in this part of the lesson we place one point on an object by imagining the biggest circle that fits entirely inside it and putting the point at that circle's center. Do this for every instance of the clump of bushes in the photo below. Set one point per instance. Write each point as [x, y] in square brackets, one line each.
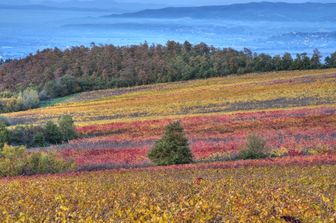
[9, 105]
[4, 121]
[58, 88]
[27, 99]
[17, 161]
[52, 133]
[255, 148]
[48, 134]
[172, 148]
[67, 128]
[4, 135]
[24, 135]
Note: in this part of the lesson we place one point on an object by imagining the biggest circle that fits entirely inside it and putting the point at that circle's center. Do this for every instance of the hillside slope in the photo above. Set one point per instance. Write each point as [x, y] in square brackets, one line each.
[54, 72]
[250, 11]
[295, 112]
[217, 95]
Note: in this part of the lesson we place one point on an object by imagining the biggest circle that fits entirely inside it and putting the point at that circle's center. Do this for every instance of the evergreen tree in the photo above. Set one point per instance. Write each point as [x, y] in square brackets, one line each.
[172, 148]
[331, 60]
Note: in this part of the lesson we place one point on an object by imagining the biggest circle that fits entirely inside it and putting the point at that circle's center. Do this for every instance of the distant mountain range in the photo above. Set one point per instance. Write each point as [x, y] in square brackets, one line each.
[90, 5]
[58, 8]
[249, 11]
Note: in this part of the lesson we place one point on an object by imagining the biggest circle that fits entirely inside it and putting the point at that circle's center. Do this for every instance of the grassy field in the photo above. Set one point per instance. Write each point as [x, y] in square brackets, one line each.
[251, 194]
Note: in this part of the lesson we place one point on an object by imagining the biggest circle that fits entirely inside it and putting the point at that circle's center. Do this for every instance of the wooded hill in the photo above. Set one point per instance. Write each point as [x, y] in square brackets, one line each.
[54, 73]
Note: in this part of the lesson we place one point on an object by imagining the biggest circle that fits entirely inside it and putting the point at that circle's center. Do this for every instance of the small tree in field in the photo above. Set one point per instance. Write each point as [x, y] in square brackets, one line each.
[67, 127]
[255, 148]
[172, 148]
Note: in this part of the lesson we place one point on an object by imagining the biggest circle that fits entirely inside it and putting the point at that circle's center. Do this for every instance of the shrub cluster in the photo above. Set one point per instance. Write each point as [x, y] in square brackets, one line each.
[4, 121]
[4, 135]
[25, 100]
[17, 161]
[255, 149]
[48, 134]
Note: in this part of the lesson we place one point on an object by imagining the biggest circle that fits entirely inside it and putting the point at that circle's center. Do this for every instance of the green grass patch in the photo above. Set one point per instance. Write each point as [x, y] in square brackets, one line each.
[56, 101]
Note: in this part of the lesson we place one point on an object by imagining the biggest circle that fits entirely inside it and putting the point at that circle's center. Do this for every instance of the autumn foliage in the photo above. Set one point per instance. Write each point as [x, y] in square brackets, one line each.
[250, 194]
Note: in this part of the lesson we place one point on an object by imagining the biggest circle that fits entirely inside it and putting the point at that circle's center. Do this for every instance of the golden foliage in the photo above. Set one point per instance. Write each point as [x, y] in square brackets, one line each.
[264, 194]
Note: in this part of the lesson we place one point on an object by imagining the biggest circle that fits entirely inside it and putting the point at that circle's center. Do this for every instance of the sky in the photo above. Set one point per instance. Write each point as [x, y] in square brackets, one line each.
[214, 2]
[176, 2]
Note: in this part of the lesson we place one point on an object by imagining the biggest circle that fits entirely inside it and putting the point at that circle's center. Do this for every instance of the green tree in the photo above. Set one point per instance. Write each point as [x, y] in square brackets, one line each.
[172, 148]
[4, 135]
[68, 84]
[287, 62]
[51, 89]
[316, 59]
[39, 140]
[330, 61]
[52, 133]
[67, 127]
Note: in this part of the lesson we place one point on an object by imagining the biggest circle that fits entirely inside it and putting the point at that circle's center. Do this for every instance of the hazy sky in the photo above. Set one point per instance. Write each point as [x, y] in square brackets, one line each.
[178, 2]
[219, 2]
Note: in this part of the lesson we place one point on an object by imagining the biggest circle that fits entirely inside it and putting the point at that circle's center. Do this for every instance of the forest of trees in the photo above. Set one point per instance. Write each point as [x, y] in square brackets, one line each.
[54, 73]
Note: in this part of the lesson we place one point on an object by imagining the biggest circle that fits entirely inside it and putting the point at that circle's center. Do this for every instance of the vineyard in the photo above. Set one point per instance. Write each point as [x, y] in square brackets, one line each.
[217, 95]
[252, 194]
[295, 112]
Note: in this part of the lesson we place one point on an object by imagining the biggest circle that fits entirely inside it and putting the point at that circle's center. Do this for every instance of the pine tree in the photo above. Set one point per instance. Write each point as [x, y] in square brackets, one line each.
[172, 148]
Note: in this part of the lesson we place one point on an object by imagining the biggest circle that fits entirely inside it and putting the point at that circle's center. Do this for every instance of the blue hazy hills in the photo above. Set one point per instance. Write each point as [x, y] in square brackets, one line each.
[266, 27]
[250, 11]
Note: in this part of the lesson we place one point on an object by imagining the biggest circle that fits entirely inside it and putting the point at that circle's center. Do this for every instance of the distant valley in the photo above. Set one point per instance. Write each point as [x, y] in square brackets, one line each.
[272, 28]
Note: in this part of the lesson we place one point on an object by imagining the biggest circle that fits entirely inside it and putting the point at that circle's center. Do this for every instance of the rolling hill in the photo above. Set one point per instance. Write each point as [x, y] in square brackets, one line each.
[250, 11]
[294, 111]
[33, 7]
[171, 133]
